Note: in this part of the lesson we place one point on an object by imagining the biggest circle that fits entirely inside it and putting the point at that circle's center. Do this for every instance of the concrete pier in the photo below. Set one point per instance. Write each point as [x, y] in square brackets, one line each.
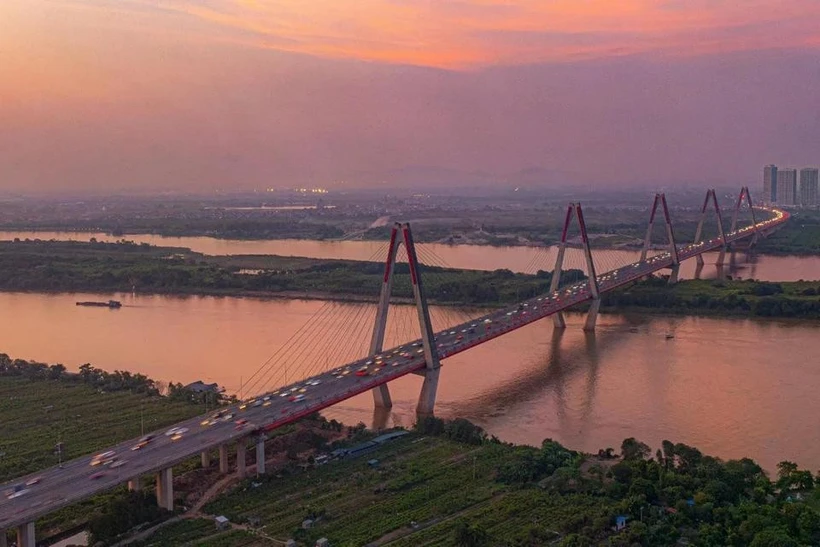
[165, 489]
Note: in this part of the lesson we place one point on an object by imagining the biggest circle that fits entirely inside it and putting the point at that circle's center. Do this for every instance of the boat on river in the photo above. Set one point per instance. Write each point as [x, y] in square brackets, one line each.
[109, 304]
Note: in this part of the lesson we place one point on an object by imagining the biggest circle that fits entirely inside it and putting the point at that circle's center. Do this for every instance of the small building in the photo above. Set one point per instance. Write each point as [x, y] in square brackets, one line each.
[307, 524]
[390, 436]
[620, 522]
[290, 543]
[222, 522]
[201, 387]
[322, 542]
[373, 463]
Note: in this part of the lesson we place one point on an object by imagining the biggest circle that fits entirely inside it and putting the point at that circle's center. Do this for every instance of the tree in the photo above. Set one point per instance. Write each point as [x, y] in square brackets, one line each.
[633, 449]
[786, 471]
[773, 537]
[465, 535]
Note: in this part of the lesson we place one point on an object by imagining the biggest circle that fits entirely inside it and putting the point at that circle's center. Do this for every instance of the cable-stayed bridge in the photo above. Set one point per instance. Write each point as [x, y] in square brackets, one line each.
[332, 369]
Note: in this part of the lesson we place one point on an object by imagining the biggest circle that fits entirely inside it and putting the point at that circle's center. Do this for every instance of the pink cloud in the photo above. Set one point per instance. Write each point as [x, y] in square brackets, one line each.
[475, 33]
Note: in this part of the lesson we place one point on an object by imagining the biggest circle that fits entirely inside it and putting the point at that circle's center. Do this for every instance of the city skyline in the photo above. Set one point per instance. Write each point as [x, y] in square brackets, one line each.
[101, 95]
[790, 186]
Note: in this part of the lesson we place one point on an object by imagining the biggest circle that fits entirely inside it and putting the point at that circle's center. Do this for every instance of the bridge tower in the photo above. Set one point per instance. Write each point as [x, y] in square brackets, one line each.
[381, 394]
[592, 315]
[721, 233]
[660, 199]
[745, 192]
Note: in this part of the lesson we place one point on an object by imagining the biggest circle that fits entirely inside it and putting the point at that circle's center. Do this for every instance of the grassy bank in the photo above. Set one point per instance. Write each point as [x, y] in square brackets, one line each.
[447, 484]
[710, 297]
[114, 267]
[37, 412]
[111, 267]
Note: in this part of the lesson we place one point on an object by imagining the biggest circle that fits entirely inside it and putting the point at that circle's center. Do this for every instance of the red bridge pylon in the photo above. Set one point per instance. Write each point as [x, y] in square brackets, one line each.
[699, 231]
[381, 394]
[592, 315]
[745, 192]
[670, 235]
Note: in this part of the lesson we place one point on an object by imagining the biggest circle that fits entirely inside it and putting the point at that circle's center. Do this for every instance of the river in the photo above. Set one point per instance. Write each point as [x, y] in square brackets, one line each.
[519, 259]
[731, 387]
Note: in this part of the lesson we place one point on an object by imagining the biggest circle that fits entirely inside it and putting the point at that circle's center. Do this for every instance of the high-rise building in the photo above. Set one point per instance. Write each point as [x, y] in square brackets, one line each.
[770, 184]
[808, 186]
[786, 186]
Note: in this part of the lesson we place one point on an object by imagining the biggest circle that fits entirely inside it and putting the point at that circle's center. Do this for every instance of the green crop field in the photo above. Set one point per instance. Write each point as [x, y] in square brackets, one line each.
[429, 481]
[36, 414]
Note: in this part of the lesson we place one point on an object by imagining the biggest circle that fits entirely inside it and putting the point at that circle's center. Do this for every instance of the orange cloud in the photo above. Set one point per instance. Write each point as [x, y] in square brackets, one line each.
[476, 33]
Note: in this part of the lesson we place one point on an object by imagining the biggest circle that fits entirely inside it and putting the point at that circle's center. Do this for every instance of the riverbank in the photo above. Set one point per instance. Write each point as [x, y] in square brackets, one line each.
[612, 230]
[128, 267]
[440, 484]
[446, 483]
[105, 268]
[718, 298]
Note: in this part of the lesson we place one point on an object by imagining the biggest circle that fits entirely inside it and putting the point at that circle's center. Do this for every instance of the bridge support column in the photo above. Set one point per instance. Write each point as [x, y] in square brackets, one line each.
[165, 489]
[241, 452]
[427, 395]
[25, 535]
[660, 199]
[135, 484]
[381, 394]
[205, 459]
[721, 233]
[673, 275]
[260, 455]
[558, 318]
[223, 458]
[592, 315]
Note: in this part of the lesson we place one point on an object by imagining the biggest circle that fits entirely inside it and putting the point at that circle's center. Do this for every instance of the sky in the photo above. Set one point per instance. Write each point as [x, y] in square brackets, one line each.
[200, 95]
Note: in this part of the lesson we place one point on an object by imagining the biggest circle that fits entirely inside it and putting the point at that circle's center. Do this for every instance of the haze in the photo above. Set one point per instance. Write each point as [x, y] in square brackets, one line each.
[110, 95]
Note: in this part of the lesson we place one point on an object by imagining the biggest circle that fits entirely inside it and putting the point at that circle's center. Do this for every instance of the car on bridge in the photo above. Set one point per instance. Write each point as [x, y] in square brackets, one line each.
[16, 491]
[103, 459]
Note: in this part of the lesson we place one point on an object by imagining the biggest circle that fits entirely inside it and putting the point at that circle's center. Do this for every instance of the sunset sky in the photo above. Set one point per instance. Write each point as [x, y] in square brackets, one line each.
[237, 94]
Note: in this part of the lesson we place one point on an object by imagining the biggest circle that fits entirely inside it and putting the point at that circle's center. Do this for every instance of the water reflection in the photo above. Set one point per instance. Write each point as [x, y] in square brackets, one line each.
[551, 375]
[732, 387]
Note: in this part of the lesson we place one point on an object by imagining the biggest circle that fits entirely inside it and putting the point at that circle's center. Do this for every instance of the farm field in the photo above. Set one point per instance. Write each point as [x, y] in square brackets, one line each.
[36, 414]
[420, 491]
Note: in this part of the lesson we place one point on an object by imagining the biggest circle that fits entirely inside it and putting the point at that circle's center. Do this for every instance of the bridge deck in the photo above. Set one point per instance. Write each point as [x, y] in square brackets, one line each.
[73, 482]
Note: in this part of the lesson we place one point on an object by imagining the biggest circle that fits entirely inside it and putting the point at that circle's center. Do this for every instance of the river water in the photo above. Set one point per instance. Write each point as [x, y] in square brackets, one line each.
[520, 259]
[731, 387]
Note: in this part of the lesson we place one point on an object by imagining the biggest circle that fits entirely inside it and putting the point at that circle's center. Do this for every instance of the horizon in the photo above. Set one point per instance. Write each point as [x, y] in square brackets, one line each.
[174, 96]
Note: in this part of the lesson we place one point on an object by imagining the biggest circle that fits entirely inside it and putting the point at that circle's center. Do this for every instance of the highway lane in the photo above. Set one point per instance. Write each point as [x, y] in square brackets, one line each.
[73, 482]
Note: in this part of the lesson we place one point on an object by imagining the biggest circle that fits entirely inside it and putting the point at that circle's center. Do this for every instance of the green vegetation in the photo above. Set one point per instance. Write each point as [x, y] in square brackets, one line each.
[107, 267]
[40, 411]
[122, 514]
[199, 532]
[124, 266]
[746, 298]
[447, 484]
[41, 405]
[799, 236]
